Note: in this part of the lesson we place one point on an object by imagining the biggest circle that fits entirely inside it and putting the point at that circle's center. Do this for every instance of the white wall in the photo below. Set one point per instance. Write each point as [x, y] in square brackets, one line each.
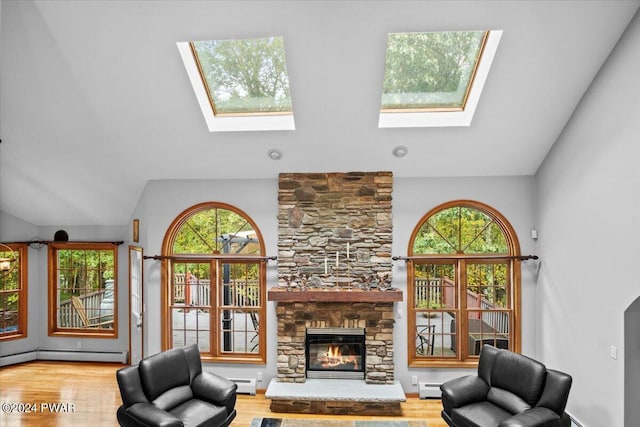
[13, 229]
[412, 198]
[87, 233]
[588, 213]
[163, 201]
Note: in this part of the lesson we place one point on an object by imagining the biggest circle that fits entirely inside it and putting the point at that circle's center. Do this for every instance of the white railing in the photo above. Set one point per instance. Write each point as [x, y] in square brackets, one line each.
[245, 294]
[428, 291]
[498, 320]
[68, 315]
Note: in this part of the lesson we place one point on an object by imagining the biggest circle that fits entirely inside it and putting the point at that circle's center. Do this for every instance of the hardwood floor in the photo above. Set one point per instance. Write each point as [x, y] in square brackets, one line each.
[44, 394]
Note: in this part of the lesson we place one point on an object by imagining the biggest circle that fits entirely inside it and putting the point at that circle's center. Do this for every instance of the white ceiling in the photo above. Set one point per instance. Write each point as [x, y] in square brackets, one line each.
[95, 101]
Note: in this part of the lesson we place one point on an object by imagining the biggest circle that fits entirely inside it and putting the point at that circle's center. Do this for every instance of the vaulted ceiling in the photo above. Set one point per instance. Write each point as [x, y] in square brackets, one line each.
[95, 100]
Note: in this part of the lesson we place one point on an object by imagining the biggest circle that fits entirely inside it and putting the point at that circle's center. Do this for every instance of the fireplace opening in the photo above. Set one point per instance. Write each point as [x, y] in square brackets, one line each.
[335, 353]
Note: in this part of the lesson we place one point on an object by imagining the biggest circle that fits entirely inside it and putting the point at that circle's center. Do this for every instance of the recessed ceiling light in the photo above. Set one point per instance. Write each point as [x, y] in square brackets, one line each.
[400, 151]
[274, 154]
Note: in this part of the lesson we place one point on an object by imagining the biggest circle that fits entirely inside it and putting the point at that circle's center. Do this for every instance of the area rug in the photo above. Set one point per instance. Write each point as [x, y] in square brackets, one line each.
[301, 422]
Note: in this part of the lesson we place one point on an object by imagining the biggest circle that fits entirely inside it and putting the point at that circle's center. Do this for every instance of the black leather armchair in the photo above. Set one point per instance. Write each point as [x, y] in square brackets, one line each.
[170, 389]
[510, 390]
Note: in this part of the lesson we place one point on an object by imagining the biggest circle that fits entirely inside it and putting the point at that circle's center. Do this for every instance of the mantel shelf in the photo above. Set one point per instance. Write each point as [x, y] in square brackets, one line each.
[333, 295]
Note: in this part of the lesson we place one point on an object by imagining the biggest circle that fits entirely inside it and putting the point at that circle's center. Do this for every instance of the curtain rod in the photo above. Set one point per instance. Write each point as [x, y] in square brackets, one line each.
[207, 257]
[46, 242]
[427, 257]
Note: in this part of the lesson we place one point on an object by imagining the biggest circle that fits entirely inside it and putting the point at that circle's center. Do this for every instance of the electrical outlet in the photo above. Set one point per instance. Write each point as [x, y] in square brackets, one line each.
[414, 380]
[259, 377]
[613, 352]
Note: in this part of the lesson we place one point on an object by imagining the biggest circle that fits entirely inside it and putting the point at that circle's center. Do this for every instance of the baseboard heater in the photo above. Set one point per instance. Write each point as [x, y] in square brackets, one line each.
[429, 391]
[14, 359]
[245, 385]
[66, 355]
[83, 356]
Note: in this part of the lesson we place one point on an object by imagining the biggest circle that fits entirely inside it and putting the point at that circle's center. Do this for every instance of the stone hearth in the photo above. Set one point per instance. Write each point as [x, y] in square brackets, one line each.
[338, 397]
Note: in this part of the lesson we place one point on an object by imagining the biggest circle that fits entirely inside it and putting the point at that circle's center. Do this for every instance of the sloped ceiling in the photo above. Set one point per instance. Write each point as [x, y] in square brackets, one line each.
[95, 101]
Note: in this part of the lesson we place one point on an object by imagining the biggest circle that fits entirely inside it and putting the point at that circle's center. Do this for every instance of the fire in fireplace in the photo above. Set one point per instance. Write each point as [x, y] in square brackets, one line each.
[335, 353]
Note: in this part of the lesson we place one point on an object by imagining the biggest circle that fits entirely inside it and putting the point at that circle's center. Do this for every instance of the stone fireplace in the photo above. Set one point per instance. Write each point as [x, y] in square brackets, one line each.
[317, 310]
[344, 218]
[334, 233]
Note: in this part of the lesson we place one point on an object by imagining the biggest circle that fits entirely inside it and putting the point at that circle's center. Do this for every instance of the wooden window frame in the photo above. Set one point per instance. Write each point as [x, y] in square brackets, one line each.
[472, 77]
[216, 261]
[463, 359]
[211, 90]
[87, 332]
[23, 293]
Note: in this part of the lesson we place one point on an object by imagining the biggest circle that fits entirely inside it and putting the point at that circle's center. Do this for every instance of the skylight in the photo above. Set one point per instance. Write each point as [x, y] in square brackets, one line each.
[435, 79]
[240, 84]
[430, 71]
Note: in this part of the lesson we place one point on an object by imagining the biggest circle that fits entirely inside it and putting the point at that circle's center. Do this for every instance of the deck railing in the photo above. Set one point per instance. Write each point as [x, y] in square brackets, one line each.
[438, 292]
[489, 313]
[195, 291]
[68, 315]
[428, 291]
[441, 291]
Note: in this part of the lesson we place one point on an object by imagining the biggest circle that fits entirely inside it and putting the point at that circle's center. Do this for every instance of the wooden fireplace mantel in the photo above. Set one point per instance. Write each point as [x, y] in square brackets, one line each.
[333, 295]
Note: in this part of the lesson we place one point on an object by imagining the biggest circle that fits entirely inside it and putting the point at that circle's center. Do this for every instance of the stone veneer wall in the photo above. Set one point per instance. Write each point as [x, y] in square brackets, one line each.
[295, 318]
[319, 213]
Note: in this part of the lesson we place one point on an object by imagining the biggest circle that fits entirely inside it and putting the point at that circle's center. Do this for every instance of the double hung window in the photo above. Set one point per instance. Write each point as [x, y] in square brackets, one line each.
[13, 292]
[83, 289]
[464, 281]
[214, 284]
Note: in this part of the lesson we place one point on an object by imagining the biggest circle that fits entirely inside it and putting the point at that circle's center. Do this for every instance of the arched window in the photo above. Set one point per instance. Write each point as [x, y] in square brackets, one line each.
[214, 284]
[464, 285]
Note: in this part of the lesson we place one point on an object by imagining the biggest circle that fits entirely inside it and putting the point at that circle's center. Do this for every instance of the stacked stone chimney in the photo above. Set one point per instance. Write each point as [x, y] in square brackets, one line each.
[319, 215]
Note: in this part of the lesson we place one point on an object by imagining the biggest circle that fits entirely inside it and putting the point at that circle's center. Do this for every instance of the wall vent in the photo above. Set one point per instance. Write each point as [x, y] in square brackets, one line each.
[245, 385]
